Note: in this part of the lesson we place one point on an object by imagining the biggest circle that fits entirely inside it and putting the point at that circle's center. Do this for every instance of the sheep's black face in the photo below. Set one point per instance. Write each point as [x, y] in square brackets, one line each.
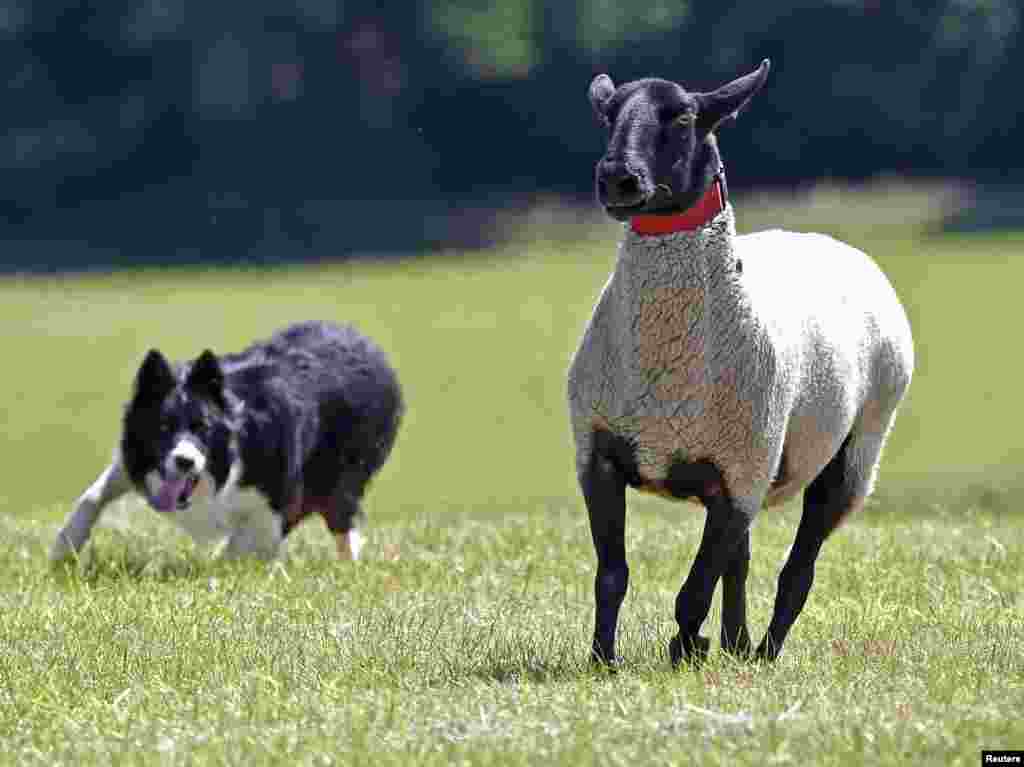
[661, 154]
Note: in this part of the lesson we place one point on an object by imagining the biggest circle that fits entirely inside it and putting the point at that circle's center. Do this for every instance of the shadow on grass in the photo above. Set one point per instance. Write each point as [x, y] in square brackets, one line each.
[537, 671]
[105, 566]
[565, 669]
[568, 661]
[128, 562]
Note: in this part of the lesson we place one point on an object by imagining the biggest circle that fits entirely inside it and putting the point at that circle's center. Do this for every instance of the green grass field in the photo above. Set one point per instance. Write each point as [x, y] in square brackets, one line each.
[461, 637]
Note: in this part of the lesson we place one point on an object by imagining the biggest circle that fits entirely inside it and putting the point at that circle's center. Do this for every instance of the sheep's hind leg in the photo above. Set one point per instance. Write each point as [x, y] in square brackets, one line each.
[604, 491]
[840, 488]
[726, 528]
[735, 637]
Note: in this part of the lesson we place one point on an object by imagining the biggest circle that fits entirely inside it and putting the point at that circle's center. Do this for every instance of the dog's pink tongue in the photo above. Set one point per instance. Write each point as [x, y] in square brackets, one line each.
[167, 498]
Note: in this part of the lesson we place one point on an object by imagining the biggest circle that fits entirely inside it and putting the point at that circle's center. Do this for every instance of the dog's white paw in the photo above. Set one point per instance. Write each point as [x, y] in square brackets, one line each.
[65, 546]
[61, 548]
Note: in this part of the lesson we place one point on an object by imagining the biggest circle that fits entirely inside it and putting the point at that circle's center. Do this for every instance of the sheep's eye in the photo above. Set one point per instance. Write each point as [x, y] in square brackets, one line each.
[684, 119]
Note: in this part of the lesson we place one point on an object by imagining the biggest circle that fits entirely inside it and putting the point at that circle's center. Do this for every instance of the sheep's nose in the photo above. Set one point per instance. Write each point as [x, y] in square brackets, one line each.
[184, 463]
[619, 187]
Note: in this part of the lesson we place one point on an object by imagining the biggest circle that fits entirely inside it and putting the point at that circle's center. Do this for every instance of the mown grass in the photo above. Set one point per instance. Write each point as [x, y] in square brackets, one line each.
[461, 640]
[461, 637]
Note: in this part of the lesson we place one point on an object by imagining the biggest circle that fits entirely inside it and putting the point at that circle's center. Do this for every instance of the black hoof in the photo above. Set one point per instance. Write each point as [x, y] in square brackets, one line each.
[608, 667]
[599, 660]
[741, 649]
[691, 650]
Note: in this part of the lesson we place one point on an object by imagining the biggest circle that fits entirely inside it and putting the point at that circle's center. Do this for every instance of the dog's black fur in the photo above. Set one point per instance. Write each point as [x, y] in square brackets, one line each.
[309, 415]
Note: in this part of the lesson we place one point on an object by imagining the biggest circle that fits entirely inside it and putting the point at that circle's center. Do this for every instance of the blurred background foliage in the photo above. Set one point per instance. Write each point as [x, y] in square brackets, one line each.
[178, 130]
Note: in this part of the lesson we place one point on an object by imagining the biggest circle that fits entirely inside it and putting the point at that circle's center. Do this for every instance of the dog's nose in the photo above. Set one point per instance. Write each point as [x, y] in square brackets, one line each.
[619, 186]
[184, 463]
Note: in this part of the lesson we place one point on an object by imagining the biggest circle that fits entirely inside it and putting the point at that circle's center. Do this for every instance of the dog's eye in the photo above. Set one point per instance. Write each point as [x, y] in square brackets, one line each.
[684, 119]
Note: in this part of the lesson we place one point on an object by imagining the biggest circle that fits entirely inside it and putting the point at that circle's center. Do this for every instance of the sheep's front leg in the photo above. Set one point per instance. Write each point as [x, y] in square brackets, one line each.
[735, 637]
[604, 490]
[109, 486]
[726, 527]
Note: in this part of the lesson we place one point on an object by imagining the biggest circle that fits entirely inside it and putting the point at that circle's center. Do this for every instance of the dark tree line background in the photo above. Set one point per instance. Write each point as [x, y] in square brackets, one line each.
[162, 130]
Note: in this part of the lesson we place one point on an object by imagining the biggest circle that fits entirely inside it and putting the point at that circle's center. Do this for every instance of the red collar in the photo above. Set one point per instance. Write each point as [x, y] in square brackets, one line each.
[705, 209]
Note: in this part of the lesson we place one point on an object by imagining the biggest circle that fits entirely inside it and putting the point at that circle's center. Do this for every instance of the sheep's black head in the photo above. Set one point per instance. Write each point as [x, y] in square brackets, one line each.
[661, 155]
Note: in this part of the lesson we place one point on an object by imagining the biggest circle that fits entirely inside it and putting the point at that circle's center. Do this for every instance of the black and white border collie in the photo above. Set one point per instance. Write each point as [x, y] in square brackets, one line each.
[243, 446]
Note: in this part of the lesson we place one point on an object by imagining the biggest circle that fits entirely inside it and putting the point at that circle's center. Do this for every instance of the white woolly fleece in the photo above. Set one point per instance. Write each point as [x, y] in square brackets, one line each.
[706, 345]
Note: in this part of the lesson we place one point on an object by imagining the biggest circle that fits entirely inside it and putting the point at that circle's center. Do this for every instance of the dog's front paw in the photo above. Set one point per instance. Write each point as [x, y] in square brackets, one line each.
[63, 547]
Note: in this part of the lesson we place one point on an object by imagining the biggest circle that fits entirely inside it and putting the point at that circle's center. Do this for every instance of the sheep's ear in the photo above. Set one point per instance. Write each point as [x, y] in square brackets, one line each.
[601, 91]
[719, 105]
[155, 378]
[207, 379]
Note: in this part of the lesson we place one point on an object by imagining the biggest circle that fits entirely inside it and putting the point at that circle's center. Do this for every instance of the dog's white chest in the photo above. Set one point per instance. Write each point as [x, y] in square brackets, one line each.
[244, 518]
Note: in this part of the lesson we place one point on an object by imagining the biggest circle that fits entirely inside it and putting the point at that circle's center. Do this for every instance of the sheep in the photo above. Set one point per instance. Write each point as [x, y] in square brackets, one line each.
[734, 370]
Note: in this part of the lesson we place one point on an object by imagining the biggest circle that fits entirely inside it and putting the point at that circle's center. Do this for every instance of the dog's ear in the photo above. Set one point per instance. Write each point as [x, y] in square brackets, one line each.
[155, 378]
[206, 379]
